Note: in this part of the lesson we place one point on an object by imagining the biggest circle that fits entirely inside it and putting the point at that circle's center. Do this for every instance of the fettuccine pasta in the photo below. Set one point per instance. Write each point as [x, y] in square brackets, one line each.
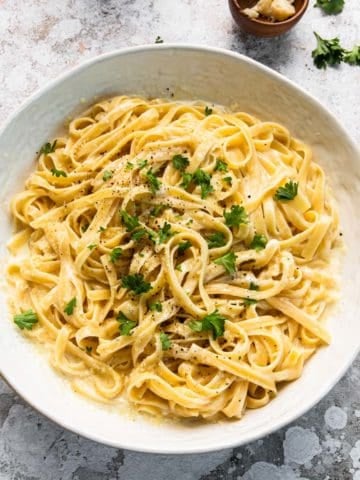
[175, 254]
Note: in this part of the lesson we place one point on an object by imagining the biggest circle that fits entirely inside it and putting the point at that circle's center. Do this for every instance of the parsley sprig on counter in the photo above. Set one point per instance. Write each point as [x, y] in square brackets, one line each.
[330, 52]
[331, 7]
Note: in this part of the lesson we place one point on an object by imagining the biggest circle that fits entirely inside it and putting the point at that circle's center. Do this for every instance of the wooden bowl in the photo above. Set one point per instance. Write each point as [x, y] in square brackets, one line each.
[262, 27]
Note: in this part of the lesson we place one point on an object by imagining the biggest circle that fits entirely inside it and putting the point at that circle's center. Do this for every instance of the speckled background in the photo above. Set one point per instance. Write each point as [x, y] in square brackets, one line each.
[40, 39]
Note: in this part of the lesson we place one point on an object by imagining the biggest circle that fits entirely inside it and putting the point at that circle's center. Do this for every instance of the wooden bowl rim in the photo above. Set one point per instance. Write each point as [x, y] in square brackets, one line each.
[267, 22]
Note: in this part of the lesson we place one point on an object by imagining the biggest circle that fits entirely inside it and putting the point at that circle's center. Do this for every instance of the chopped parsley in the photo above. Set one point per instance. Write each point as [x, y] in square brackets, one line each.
[107, 175]
[216, 240]
[126, 325]
[249, 301]
[157, 210]
[352, 57]
[158, 39]
[178, 267]
[228, 180]
[287, 192]
[139, 234]
[115, 254]
[48, 148]
[208, 111]
[165, 233]
[203, 180]
[183, 246]
[129, 166]
[228, 262]
[186, 180]
[153, 181]
[26, 319]
[258, 242]
[221, 166]
[180, 162]
[327, 52]
[130, 222]
[91, 246]
[155, 307]
[142, 164]
[213, 322]
[58, 173]
[236, 216]
[136, 283]
[331, 7]
[253, 286]
[165, 341]
[69, 307]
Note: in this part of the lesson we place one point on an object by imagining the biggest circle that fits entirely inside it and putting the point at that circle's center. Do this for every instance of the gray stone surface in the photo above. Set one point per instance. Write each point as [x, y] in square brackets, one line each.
[40, 39]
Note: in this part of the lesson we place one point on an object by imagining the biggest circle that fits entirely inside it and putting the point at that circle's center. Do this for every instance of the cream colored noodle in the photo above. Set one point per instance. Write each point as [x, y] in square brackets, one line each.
[68, 227]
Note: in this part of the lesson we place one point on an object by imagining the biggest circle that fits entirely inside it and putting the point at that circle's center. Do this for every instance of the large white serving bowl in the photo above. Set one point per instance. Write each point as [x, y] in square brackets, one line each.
[216, 76]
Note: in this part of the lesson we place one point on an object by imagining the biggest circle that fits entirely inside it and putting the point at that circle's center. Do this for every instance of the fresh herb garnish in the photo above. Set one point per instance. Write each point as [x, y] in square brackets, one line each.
[136, 283]
[48, 148]
[216, 240]
[115, 254]
[180, 162]
[183, 246]
[221, 166]
[130, 222]
[228, 262]
[26, 319]
[213, 322]
[178, 267]
[186, 180]
[208, 111]
[129, 166]
[155, 307]
[258, 242]
[84, 227]
[58, 173]
[165, 233]
[142, 164]
[236, 216]
[228, 180]
[158, 39]
[352, 57]
[69, 307]
[139, 234]
[153, 181]
[157, 210]
[126, 325]
[107, 175]
[165, 341]
[331, 7]
[327, 52]
[249, 301]
[91, 246]
[253, 286]
[203, 180]
[101, 229]
[287, 192]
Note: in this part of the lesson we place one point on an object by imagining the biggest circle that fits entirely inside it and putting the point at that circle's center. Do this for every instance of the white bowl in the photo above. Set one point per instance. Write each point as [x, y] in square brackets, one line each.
[212, 75]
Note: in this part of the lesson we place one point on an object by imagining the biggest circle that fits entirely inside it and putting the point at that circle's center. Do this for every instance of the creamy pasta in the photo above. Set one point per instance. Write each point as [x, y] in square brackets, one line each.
[174, 254]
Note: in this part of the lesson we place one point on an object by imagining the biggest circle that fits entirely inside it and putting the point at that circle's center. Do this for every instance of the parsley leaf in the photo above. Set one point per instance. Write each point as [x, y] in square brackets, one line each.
[107, 175]
[101, 229]
[352, 57]
[155, 307]
[221, 166]
[287, 192]
[139, 234]
[213, 322]
[180, 162]
[130, 222]
[159, 39]
[91, 246]
[157, 210]
[48, 148]
[258, 242]
[208, 111]
[253, 286]
[69, 307]
[58, 173]
[228, 262]
[249, 301]
[165, 341]
[136, 283]
[186, 180]
[115, 254]
[153, 181]
[126, 325]
[216, 240]
[203, 179]
[129, 166]
[331, 6]
[236, 216]
[183, 246]
[178, 267]
[327, 52]
[142, 164]
[165, 233]
[228, 180]
[26, 319]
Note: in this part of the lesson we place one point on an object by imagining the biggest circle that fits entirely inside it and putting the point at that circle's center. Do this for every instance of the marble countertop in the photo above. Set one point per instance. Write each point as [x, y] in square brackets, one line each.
[40, 39]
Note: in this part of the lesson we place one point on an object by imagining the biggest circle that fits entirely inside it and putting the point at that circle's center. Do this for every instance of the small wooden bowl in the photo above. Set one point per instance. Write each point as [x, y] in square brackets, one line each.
[260, 26]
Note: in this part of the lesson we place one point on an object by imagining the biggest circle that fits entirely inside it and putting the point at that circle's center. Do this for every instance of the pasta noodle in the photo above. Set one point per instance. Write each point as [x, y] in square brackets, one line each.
[175, 255]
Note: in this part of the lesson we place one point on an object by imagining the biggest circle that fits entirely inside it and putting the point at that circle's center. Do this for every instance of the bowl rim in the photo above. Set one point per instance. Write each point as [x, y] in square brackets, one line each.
[324, 388]
[266, 23]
